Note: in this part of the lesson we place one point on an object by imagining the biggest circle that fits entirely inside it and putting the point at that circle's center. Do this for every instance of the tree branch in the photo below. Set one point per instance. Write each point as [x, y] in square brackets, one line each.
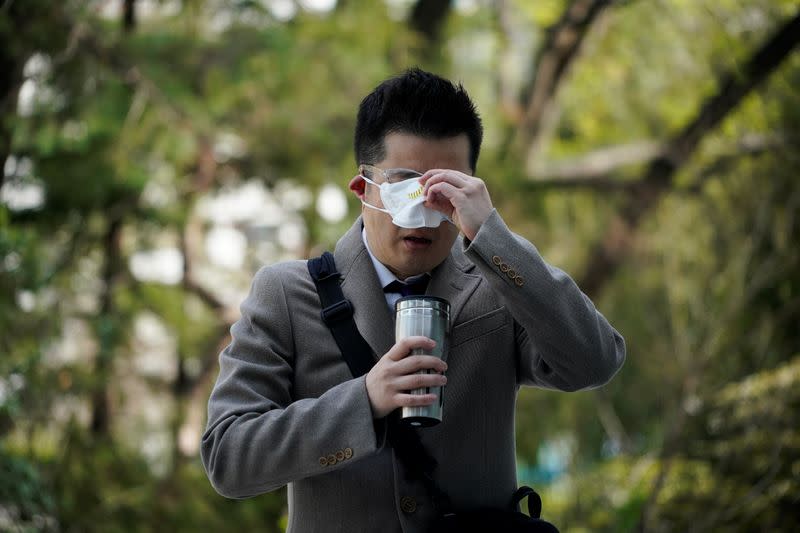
[598, 170]
[748, 146]
[601, 163]
[114, 58]
[506, 93]
[607, 256]
[611, 422]
[552, 63]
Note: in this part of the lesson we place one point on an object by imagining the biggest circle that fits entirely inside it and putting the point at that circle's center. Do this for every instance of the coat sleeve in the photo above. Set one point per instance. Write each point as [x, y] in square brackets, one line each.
[258, 438]
[563, 342]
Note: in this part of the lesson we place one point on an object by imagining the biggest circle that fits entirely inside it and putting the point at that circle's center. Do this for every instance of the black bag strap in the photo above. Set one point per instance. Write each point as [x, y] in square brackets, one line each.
[534, 501]
[337, 314]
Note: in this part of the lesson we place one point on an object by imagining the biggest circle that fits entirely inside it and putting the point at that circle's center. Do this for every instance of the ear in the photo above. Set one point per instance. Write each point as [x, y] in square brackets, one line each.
[357, 185]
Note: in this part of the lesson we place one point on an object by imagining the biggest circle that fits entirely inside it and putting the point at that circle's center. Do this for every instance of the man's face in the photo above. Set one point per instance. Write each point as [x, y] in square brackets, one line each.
[408, 252]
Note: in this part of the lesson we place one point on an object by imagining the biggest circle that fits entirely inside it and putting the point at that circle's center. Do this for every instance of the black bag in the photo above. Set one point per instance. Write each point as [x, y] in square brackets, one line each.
[500, 520]
[337, 313]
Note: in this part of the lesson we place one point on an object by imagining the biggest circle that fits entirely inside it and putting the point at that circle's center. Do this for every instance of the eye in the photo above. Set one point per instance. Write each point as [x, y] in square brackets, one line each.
[396, 175]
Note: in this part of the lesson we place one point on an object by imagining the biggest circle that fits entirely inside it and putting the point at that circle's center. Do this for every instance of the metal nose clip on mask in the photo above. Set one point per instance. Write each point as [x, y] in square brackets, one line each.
[403, 202]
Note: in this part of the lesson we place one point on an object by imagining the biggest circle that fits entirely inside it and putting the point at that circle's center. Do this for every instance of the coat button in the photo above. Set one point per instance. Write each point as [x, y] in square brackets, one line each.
[504, 267]
[519, 281]
[496, 260]
[323, 461]
[340, 455]
[512, 273]
[348, 453]
[331, 459]
[408, 504]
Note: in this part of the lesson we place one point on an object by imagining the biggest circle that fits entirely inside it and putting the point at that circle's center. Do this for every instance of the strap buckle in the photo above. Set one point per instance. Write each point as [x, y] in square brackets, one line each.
[341, 310]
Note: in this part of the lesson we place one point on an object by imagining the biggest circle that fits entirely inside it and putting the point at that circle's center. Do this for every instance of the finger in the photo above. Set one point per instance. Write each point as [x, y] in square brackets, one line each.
[415, 363]
[431, 173]
[403, 347]
[419, 381]
[414, 400]
[443, 194]
[433, 177]
[443, 172]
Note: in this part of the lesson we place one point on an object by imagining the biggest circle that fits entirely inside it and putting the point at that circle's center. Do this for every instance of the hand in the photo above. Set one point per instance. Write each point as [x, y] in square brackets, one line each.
[461, 197]
[394, 375]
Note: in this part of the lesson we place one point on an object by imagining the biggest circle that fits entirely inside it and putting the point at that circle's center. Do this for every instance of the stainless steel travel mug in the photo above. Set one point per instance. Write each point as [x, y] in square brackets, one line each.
[427, 316]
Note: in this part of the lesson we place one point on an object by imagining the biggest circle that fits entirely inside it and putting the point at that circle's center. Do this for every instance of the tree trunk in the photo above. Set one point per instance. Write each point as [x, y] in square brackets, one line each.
[428, 18]
[10, 82]
[129, 16]
[9, 87]
[107, 327]
[189, 391]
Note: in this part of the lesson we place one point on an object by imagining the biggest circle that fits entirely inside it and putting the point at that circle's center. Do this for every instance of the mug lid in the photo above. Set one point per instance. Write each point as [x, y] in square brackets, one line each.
[422, 301]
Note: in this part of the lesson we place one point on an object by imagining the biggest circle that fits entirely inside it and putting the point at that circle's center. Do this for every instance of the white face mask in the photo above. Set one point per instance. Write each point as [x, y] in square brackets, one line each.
[403, 202]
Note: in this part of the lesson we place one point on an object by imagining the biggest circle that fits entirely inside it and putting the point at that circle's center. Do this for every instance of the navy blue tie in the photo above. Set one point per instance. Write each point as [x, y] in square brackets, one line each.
[413, 288]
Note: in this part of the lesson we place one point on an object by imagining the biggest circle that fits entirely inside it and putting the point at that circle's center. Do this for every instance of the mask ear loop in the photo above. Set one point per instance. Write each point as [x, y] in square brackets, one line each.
[370, 205]
[375, 208]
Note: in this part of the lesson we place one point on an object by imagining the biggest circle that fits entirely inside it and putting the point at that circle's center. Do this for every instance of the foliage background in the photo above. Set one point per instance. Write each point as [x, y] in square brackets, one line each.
[157, 152]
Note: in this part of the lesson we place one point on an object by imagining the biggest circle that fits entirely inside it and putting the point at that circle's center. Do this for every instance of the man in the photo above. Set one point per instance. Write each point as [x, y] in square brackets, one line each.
[286, 409]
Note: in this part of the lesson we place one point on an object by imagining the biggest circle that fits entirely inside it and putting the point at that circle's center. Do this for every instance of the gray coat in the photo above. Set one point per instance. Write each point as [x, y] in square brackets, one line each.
[286, 410]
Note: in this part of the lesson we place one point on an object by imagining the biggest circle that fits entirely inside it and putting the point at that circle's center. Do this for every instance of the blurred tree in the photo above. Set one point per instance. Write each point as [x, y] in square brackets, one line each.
[660, 173]
[428, 18]
[136, 130]
[560, 49]
[129, 15]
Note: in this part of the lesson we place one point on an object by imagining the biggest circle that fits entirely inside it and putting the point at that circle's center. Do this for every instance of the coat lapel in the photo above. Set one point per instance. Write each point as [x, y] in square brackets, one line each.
[360, 285]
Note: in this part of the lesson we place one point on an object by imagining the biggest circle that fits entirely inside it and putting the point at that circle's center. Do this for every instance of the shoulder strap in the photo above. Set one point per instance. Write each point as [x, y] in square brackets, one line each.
[337, 313]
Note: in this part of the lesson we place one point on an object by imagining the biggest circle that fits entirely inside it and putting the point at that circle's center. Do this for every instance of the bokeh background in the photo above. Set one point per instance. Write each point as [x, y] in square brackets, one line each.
[156, 153]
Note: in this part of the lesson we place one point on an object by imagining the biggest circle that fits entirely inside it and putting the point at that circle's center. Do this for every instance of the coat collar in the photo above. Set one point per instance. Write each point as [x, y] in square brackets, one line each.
[452, 280]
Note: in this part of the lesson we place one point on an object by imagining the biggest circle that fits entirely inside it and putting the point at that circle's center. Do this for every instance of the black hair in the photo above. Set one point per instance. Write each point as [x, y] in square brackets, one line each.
[418, 103]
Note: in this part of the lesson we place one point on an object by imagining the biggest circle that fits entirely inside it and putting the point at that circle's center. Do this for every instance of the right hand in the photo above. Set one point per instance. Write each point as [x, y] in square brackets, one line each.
[395, 374]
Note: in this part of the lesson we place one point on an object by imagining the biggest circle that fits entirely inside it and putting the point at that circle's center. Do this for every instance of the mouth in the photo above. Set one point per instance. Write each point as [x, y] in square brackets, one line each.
[416, 242]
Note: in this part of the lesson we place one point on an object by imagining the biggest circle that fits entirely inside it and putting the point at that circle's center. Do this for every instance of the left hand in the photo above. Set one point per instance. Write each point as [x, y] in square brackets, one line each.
[461, 197]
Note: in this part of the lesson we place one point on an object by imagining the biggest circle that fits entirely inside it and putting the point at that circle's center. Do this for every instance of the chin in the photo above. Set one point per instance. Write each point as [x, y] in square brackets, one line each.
[419, 265]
